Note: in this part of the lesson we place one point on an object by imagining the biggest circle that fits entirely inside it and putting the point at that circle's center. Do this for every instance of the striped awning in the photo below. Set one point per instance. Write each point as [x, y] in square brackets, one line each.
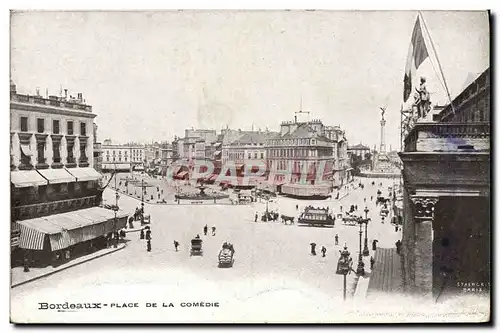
[27, 178]
[84, 174]
[57, 176]
[64, 230]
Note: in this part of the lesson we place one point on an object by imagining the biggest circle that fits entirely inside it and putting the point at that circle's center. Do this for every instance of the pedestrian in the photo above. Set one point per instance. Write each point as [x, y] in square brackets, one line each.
[341, 209]
[371, 198]
[374, 245]
[256, 216]
[26, 265]
[149, 245]
[213, 231]
[398, 247]
[142, 234]
[356, 207]
[148, 234]
[176, 244]
[205, 229]
[336, 239]
[364, 199]
[372, 263]
[296, 207]
[323, 251]
[313, 249]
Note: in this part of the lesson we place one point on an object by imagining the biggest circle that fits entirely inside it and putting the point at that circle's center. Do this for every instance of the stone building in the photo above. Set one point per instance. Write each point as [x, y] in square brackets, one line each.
[122, 157]
[55, 191]
[301, 147]
[446, 174]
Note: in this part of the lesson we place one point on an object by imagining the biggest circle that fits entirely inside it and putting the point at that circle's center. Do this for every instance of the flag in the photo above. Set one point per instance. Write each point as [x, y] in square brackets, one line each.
[416, 56]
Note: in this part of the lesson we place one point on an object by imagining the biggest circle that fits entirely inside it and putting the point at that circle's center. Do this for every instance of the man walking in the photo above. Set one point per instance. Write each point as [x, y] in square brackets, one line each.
[336, 239]
[205, 229]
[213, 231]
[176, 245]
[323, 251]
[256, 216]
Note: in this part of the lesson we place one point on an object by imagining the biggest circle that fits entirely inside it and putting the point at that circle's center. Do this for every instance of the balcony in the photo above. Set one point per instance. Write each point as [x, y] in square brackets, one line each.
[59, 103]
[448, 137]
[55, 207]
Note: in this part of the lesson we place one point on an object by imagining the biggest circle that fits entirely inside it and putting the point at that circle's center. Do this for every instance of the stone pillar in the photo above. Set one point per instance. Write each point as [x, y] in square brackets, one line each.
[423, 209]
[76, 150]
[34, 151]
[49, 152]
[382, 136]
[16, 150]
[64, 150]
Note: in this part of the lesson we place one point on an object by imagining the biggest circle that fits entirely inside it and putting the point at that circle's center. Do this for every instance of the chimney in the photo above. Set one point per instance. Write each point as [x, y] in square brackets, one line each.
[80, 96]
[65, 93]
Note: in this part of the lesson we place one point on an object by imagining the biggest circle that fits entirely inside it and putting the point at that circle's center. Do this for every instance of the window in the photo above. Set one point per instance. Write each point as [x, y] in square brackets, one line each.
[40, 125]
[24, 124]
[40, 147]
[255, 155]
[70, 128]
[262, 155]
[55, 126]
[83, 129]
[70, 152]
[119, 159]
[125, 158]
[107, 158]
[57, 154]
[249, 156]
[83, 155]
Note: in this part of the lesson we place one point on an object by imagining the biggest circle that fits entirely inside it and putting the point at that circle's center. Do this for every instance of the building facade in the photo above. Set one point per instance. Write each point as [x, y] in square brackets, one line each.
[122, 157]
[55, 192]
[97, 151]
[446, 197]
[302, 147]
[359, 150]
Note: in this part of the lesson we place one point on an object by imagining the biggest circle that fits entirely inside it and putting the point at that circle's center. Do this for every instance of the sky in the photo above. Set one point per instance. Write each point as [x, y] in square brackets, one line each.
[150, 75]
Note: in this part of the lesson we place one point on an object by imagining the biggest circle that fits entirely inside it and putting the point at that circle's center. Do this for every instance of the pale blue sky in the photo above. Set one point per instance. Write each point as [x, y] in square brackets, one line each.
[150, 75]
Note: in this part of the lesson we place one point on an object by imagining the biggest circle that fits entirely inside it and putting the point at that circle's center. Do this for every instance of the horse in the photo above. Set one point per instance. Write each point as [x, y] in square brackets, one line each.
[285, 219]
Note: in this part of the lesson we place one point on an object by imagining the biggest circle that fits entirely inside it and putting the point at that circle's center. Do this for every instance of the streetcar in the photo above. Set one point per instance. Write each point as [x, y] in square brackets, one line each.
[316, 217]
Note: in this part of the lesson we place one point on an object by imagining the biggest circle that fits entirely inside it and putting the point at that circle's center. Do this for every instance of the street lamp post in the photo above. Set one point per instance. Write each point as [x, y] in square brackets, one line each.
[142, 201]
[343, 266]
[360, 270]
[366, 251]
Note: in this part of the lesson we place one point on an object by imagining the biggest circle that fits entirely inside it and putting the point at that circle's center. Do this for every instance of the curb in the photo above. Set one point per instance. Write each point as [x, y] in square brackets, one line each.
[172, 204]
[66, 267]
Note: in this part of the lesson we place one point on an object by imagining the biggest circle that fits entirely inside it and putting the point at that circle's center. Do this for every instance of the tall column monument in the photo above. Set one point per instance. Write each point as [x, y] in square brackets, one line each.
[382, 132]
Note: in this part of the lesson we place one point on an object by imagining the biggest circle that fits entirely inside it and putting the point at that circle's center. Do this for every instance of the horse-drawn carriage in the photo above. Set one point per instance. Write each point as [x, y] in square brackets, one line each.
[196, 248]
[226, 255]
[313, 216]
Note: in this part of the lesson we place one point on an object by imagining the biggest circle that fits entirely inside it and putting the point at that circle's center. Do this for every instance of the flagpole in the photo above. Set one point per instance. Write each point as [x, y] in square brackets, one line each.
[437, 58]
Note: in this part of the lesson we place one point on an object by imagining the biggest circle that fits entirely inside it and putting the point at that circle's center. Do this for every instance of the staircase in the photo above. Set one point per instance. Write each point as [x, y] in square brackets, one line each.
[386, 274]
